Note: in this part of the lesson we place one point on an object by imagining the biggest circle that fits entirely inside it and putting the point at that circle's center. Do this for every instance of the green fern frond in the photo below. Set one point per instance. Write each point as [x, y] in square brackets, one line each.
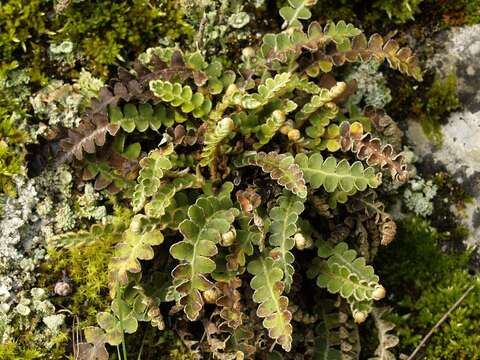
[148, 182]
[84, 237]
[273, 308]
[333, 175]
[182, 96]
[208, 219]
[143, 117]
[271, 89]
[214, 138]
[346, 274]
[284, 218]
[136, 245]
[163, 197]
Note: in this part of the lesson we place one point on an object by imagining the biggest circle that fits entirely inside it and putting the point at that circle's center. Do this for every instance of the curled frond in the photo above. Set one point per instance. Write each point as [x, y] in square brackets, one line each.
[333, 175]
[273, 307]
[372, 151]
[229, 302]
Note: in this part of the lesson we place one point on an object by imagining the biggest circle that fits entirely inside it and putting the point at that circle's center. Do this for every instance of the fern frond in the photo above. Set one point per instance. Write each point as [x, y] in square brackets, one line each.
[164, 195]
[247, 236]
[214, 138]
[143, 117]
[346, 274]
[336, 337]
[136, 245]
[229, 302]
[182, 96]
[208, 219]
[267, 131]
[148, 181]
[332, 175]
[283, 227]
[372, 151]
[272, 88]
[281, 168]
[84, 237]
[386, 341]
[86, 137]
[273, 307]
[318, 101]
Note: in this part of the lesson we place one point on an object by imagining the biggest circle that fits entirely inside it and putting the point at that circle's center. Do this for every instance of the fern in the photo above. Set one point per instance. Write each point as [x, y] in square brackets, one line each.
[273, 307]
[136, 245]
[296, 9]
[85, 237]
[336, 338]
[272, 88]
[143, 117]
[166, 192]
[213, 139]
[86, 137]
[332, 175]
[318, 101]
[281, 168]
[283, 227]
[182, 96]
[386, 341]
[267, 131]
[372, 151]
[346, 274]
[148, 182]
[207, 219]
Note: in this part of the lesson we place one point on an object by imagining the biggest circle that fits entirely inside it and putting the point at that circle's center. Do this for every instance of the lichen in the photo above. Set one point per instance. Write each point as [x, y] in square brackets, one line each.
[419, 195]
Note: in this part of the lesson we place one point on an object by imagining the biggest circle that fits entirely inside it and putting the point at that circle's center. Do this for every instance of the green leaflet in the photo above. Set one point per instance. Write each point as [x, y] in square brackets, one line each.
[332, 175]
[346, 274]
[136, 245]
[149, 177]
[181, 96]
[268, 288]
[281, 168]
[297, 10]
[214, 138]
[267, 131]
[208, 219]
[143, 117]
[284, 218]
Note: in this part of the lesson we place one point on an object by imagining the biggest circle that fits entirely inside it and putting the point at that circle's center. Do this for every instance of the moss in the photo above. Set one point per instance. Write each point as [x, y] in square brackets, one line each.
[424, 283]
[441, 99]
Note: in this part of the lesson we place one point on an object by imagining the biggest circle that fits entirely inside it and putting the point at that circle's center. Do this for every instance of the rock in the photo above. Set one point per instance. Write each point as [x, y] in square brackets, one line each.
[459, 152]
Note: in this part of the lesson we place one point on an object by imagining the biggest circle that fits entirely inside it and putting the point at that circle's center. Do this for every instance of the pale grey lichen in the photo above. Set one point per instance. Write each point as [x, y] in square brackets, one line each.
[63, 52]
[372, 85]
[61, 104]
[418, 197]
[87, 205]
[42, 207]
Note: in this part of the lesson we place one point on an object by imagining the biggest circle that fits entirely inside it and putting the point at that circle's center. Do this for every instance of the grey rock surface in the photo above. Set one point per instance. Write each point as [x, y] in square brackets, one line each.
[460, 149]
